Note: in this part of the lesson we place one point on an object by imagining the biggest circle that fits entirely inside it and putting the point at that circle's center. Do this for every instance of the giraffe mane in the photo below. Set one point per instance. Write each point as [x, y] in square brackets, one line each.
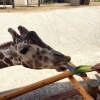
[5, 45]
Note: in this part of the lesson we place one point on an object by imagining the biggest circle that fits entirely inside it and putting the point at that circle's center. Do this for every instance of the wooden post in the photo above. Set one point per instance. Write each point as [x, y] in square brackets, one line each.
[13, 4]
[84, 78]
[39, 84]
[41, 2]
[92, 87]
[80, 88]
[38, 3]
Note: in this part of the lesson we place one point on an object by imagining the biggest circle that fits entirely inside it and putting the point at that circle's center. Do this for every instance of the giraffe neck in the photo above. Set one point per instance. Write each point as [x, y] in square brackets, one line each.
[4, 61]
[7, 59]
[5, 45]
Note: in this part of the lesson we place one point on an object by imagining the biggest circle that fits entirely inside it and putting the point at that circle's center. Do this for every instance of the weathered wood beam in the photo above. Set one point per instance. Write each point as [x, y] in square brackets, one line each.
[13, 4]
[34, 86]
[38, 3]
[80, 88]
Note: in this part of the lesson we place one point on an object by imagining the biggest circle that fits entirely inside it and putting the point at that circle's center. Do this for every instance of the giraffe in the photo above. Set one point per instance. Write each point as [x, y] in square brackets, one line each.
[8, 55]
[37, 54]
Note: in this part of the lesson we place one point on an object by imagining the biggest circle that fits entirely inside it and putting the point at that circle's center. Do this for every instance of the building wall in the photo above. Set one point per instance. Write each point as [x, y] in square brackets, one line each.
[34, 1]
[22, 2]
[18, 2]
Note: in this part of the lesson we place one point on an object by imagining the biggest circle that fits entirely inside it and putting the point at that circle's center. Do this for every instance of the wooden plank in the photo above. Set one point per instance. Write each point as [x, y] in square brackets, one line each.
[38, 84]
[80, 88]
[38, 3]
[13, 4]
[84, 78]
[34, 86]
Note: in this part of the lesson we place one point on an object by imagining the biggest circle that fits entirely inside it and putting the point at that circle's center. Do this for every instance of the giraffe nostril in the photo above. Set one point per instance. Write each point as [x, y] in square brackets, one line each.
[24, 50]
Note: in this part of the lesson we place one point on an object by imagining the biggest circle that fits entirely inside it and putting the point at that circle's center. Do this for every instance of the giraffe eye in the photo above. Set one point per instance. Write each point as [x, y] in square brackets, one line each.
[24, 50]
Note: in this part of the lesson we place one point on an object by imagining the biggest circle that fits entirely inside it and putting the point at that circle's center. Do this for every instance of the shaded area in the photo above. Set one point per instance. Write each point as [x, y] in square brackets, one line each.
[51, 87]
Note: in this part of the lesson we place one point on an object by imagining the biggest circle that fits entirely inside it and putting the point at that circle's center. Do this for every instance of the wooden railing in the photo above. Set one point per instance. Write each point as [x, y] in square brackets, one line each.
[39, 84]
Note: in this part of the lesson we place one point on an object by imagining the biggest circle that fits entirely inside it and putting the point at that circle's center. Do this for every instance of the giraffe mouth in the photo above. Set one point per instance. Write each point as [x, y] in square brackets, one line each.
[24, 50]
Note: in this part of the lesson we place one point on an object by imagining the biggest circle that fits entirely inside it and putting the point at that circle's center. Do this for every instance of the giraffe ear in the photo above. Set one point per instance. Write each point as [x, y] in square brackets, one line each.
[6, 53]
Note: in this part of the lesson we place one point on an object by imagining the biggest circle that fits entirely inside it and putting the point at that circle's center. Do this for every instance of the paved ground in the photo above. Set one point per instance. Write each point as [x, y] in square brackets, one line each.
[74, 32]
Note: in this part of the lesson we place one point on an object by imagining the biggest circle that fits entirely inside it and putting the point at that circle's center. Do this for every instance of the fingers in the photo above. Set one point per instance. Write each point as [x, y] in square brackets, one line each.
[97, 68]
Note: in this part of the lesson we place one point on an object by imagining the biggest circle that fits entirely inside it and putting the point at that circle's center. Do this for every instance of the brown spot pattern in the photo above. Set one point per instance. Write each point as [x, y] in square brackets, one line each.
[3, 65]
[46, 59]
[1, 56]
[11, 58]
[33, 56]
[38, 64]
[24, 65]
[45, 66]
[29, 63]
[43, 52]
[40, 57]
[8, 61]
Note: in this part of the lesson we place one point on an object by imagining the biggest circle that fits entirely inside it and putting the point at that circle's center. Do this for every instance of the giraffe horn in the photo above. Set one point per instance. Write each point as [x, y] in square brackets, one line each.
[22, 30]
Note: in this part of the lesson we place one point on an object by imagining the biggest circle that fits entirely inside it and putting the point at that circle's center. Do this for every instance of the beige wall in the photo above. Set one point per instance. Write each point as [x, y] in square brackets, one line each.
[18, 2]
[22, 2]
[34, 1]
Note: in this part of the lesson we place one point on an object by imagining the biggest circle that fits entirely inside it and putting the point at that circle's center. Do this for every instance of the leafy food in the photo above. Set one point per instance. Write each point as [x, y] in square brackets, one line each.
[82, 68]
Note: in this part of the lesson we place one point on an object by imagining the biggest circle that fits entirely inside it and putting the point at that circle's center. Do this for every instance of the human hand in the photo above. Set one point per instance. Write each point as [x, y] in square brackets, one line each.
[97, 67]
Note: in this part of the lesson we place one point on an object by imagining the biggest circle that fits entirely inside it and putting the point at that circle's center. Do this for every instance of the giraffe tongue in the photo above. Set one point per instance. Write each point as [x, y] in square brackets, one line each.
[71, 69]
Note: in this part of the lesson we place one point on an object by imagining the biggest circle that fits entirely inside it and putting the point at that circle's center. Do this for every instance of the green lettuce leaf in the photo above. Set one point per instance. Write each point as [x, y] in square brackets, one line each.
[82, 68]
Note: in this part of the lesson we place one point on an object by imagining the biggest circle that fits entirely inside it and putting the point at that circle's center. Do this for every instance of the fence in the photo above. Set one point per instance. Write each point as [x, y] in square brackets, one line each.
[65, 74]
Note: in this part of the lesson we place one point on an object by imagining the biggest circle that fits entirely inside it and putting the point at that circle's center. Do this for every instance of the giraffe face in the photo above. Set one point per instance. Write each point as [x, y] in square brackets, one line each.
[30, 47]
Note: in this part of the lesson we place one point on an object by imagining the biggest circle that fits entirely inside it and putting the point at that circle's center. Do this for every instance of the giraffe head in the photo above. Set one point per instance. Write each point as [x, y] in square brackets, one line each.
[31, 49]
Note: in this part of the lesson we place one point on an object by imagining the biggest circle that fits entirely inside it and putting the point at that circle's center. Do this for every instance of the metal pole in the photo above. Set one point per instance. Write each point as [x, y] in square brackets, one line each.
[92, 87]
